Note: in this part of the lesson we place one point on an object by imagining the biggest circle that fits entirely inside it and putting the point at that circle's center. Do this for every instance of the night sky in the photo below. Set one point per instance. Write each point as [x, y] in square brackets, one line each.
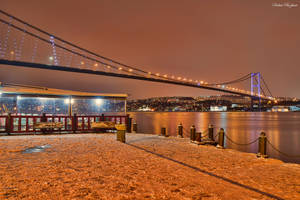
[212, 40]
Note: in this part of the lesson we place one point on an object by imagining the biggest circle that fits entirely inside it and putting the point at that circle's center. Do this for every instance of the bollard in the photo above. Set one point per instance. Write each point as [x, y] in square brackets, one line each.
[211, 132]
[134, 127]
[129, 124]
[163, 132]
[221, 138]
[121, 129]
[262, 145]
[193, 133]
[198, 137]
[180, 130]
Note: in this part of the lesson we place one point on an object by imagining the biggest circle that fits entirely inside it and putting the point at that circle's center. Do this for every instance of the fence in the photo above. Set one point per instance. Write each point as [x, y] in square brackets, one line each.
[3, 124]
[206, 137]
[27, 124]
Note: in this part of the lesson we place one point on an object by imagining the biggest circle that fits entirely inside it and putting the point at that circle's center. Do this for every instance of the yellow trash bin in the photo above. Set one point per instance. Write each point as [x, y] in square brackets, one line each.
[121, 129]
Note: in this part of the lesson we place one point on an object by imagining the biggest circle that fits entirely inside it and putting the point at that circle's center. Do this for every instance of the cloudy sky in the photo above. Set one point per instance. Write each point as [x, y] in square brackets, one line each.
[212, 40]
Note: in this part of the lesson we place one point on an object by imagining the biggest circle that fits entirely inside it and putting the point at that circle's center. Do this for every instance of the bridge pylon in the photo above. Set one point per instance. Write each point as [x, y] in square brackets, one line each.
[256, 90]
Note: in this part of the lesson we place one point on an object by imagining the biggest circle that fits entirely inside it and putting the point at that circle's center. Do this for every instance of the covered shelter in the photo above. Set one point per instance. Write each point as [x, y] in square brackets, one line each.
[23, 108]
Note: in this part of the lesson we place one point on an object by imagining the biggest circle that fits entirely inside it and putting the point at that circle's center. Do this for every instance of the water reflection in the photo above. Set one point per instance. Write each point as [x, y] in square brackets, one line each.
[282, 129]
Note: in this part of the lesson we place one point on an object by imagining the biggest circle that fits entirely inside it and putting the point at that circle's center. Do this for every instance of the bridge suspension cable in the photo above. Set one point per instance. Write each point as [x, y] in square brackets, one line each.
[76, 57]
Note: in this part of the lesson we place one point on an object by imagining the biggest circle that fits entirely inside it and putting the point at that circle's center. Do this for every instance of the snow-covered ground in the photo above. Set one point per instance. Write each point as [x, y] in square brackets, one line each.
[96, 166]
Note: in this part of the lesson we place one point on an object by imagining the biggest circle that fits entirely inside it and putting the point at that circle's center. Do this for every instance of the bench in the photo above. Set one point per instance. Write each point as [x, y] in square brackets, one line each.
[103, 125]
[47, 126]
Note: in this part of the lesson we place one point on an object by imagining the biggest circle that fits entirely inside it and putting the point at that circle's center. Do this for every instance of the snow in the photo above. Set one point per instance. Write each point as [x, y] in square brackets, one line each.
[96, 166]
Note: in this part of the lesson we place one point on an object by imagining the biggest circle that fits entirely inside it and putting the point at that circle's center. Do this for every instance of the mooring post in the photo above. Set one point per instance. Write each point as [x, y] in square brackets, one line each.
[163, 131]
[180, 130]
[211, 132]
[221, 138]
[198, 137]
[262, 145]
[193, 133]
[134, 127]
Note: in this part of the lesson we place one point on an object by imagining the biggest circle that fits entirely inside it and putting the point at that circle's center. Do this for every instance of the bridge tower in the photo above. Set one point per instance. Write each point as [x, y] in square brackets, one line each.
[256, 89]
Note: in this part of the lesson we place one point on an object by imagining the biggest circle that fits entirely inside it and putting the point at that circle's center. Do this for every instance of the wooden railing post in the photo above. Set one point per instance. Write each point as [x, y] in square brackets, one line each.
[74, 123]
[9, 124]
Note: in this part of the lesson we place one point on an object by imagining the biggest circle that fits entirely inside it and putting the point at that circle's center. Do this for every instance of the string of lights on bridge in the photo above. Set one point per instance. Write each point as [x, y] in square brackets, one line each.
[65, 53]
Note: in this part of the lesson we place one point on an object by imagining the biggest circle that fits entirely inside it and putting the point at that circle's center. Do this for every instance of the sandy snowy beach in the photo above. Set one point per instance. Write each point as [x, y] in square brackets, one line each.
[96, 166]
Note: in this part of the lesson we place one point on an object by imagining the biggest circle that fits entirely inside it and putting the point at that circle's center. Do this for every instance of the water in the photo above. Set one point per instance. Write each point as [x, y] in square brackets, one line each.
[282, 129]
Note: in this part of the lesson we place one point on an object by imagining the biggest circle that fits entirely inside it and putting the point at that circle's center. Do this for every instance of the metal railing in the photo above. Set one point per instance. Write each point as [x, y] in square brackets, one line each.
[12, 124]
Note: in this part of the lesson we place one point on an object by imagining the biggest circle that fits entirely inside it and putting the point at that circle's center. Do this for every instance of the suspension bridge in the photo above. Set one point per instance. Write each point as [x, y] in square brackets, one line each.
[25, 45]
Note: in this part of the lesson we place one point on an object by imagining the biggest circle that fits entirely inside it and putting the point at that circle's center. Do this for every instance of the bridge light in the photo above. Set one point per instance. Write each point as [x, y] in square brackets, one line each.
[96, 64]
[130, 70]
[12, 52]
[51, 58]
[179, 78]
[166, 76]
[172, 77]
[82, 62]
[120, 68]
[108, 66]
[184, 79]
[157, 74]
[201, 82]
[149, 73]
[68, 101]
[190, 80]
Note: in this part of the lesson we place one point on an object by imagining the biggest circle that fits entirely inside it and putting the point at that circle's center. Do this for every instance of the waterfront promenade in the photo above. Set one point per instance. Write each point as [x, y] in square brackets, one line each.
[96, 166]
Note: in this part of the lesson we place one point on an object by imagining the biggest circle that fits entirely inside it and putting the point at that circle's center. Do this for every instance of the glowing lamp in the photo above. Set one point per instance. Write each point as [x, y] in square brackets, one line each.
[99, 102]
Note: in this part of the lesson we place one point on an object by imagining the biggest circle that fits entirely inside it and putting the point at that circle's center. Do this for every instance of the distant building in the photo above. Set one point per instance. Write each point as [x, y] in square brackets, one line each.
[218, 108]
[280, 109]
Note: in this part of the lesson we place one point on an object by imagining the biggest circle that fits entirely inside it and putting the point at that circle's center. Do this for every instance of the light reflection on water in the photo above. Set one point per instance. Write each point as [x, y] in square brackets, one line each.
[282, 129]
